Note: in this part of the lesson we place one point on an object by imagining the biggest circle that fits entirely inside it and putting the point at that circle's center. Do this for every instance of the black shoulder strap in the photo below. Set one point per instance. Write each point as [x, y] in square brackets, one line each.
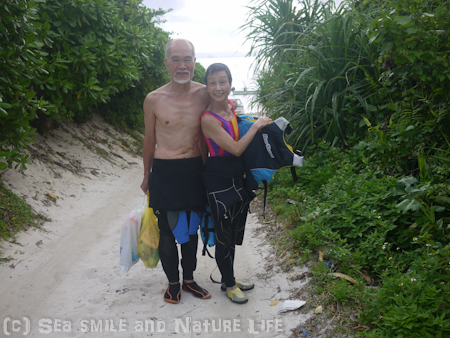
[206, 232]
[294, 174]
[205, 249]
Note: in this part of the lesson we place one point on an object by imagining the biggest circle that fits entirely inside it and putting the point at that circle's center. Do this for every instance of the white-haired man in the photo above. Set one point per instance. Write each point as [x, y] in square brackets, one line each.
[173, 152]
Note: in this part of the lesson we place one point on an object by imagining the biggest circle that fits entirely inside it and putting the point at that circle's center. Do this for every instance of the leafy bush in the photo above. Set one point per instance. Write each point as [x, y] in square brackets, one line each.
[21, 64]
[395, 228]
[199, 74]
[60, 59]
[413, 303]
[412, 39]
[98, 49]
[124, 110]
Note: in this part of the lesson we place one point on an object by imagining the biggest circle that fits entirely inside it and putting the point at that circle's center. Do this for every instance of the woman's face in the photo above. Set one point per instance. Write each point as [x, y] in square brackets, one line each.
[219, 86]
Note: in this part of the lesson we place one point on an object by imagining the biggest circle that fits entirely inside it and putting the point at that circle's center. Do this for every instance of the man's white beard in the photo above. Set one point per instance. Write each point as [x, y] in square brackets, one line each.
[182, 81]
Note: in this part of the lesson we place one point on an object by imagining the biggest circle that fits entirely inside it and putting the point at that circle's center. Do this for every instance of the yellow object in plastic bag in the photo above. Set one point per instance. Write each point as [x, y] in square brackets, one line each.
[148, 241]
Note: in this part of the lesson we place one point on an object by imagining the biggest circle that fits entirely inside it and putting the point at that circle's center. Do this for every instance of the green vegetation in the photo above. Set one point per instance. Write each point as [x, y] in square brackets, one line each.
[66, 59]
[199, 74]
[317, 68]
[396, 228]
[366, 88]
[16, 215]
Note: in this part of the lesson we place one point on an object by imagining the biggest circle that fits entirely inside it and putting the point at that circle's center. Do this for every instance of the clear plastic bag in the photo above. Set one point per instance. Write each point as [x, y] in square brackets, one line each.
[148, 241]
[129, 237]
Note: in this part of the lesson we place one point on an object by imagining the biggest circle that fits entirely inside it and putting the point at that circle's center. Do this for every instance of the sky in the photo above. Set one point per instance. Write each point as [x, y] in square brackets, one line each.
[211, 25]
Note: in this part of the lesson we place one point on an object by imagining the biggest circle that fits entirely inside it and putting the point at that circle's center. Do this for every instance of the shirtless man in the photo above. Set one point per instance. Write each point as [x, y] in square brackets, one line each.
[173, 152]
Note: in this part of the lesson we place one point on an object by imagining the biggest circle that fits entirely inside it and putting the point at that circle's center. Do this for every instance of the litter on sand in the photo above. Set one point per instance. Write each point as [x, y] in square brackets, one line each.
[289, 305]
[305, 332]
[347, 277]
[318, 310]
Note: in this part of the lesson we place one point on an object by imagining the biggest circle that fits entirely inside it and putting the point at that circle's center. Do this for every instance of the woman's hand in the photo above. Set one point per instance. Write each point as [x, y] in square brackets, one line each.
[212, 128]
[262, 122]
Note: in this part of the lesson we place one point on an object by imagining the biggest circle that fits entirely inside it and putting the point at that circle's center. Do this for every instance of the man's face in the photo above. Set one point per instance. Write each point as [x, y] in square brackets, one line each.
[180, 62]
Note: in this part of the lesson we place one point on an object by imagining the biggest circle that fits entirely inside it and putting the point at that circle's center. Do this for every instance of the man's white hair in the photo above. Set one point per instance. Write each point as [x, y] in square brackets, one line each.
[172, 41]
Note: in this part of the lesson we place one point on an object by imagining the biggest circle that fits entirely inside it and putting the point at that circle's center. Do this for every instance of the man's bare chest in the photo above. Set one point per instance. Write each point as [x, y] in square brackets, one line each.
[176, 114]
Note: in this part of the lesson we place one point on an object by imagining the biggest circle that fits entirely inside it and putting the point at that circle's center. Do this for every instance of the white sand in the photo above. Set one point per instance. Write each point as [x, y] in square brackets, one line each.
[67, 280]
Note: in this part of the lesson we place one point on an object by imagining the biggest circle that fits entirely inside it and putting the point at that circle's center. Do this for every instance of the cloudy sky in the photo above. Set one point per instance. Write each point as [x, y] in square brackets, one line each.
[211, 25]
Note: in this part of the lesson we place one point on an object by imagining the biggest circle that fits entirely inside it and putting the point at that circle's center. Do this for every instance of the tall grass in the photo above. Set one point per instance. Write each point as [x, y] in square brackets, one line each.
[317, 66]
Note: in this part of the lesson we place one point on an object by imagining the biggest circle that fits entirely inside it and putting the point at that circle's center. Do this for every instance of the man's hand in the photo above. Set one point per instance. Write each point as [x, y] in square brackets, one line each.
[144, 185]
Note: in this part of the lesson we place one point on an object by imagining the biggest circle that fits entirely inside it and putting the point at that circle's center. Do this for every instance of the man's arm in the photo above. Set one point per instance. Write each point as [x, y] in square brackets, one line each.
[149, 143]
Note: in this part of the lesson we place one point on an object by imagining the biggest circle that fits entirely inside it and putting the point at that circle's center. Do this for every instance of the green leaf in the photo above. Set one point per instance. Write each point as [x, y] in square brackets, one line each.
[3, 166]
[5, 154]
[366, 120]
[387, 47]
[441, 11]
[411, 57]
[30, 94]
[402, 20]
[5, 105]
[411, 189]
[406, 205]
[438, 208]
[408, 180]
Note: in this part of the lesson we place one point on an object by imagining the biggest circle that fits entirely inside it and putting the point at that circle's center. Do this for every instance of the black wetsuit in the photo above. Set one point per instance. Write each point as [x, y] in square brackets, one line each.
[177, 197]
[229, 195]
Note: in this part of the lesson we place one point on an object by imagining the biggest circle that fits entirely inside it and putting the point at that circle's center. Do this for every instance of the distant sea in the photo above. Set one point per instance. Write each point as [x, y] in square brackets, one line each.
[243, 76]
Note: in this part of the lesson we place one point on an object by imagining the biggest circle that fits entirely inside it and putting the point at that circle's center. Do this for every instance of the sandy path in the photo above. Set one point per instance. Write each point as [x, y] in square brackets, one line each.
[70, 284]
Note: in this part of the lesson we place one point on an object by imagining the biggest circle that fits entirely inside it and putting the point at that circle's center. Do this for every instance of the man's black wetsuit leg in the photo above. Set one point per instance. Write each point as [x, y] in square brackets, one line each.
[189, 257]
[168, 251]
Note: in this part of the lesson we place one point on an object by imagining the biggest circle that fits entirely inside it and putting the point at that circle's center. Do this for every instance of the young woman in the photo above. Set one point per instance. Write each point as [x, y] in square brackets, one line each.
[224, 175]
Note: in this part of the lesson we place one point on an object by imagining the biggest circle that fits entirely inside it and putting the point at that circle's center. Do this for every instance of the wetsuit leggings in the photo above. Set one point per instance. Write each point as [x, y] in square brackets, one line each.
[168, 251]
[226, 232]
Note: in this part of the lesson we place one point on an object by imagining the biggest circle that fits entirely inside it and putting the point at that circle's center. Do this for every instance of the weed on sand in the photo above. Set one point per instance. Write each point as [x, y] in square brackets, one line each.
[16, 216]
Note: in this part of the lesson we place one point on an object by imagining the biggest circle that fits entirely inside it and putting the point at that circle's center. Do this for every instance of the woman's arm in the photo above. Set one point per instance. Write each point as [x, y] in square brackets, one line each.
[213, 129]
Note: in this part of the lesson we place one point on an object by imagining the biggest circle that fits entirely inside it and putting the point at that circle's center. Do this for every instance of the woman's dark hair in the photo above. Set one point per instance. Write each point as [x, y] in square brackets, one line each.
[217, 67]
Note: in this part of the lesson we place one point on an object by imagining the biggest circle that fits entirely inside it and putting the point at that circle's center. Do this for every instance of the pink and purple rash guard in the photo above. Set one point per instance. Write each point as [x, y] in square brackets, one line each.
[231, 127]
